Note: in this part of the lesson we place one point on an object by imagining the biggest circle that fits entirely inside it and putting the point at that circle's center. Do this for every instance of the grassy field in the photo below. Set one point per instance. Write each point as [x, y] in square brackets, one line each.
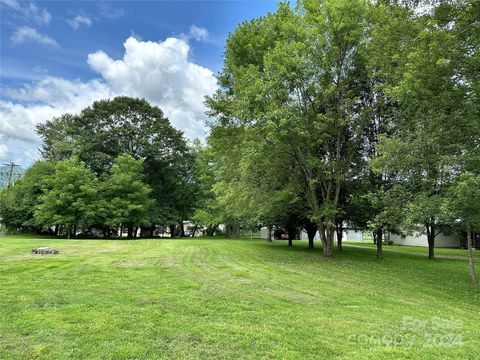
[215, 299]
[418, 249]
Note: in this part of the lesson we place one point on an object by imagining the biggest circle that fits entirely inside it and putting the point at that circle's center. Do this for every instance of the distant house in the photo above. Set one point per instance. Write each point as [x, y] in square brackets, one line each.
[409, 238]
[349, 234]
[415, 238]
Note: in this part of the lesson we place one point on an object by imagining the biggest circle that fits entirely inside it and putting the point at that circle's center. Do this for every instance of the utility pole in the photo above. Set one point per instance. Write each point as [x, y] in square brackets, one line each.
[9, 173]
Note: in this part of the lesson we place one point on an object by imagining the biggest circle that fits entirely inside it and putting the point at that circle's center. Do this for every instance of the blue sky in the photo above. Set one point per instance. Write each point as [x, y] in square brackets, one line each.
[59, 56]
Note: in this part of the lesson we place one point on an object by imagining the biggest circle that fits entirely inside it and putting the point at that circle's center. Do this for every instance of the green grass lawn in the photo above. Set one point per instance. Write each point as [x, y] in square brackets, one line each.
[418, 249]
[214, 299]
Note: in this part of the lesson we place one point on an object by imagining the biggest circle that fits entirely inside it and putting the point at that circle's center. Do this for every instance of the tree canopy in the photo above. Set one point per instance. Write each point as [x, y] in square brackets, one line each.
[123, 125]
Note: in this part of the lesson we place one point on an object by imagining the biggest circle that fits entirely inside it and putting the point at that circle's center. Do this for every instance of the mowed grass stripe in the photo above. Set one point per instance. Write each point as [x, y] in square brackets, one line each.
[200, 298]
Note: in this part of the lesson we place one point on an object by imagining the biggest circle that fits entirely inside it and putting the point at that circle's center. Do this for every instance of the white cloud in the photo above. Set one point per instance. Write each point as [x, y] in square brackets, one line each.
[20, 152]
[27, 34]
[39, 69]
[109, 12]
[160, 72]
[29, 11]
[3, 149]
[48, 98]
[198, 33]
[79, 20]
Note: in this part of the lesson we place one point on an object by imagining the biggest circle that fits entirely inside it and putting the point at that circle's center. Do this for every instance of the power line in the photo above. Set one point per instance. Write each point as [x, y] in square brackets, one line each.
[9, 174]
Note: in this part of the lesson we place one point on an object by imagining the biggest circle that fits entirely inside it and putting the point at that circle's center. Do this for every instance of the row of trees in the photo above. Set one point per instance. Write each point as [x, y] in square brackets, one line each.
[364, 113]
[119, 163]
[66, 196]
[333, 113]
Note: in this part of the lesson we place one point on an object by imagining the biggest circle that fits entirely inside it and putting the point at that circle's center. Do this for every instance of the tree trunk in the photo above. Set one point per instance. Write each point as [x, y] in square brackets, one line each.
[182, 229]
[311, 230]
[194, 230]
[74, 233]
[211, 230]
[339, 237]
[327, 239]
[330, 235]
[378, 234]
[130, 232]
[228, 230]
[431, 247]
[172, 230]
[238, 232]
[269, 234]
[291, 230]
[68, 232]
[328, 248]
[431, 241]
[55, 232]
[471, 259]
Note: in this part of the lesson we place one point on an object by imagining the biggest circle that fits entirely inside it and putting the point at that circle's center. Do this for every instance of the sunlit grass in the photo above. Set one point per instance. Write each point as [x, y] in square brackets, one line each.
[209, 299]
[418, 249]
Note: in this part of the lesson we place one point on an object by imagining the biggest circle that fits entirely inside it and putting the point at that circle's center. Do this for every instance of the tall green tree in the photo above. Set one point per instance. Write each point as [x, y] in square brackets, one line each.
[17, 204]
[58, 137]
[228, 190]
[125, 125]
[462, 211]
[461, 21]
[386, 213]
[127, 200]
[295, 78]
[70, 197]
[433, 117]
[206, 215]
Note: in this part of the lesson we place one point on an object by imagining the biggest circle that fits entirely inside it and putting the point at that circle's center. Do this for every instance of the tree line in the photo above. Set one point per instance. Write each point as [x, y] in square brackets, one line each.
[118, 165]
[329, 114]
[351, 113]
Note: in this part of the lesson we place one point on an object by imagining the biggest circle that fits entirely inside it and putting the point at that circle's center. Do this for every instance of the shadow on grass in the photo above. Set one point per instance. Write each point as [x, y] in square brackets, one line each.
[350, 253]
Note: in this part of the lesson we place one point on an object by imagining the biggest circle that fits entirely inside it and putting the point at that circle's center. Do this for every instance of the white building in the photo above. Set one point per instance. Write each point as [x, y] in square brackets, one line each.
[348, 234]
[409, 238]
[415, 238]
